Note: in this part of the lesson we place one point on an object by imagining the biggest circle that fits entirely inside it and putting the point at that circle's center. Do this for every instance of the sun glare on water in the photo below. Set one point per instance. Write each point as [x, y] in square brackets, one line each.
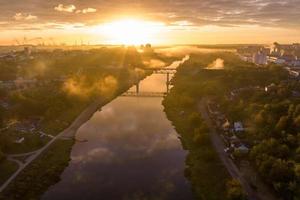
[130, 31]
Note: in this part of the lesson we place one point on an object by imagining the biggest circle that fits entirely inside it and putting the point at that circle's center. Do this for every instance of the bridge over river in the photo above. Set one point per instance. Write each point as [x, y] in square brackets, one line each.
[169, 72]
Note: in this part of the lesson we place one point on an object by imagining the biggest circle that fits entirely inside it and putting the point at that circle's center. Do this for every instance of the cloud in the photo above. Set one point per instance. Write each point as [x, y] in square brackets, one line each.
[182, 23]
[228, 16]
[22, 16]
[101, 153]
[229, 13]
[65, 8]
[87, 10]
[72, 8]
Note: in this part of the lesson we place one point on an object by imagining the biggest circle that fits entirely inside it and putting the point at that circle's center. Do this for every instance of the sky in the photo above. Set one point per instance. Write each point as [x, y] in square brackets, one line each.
[153, 21]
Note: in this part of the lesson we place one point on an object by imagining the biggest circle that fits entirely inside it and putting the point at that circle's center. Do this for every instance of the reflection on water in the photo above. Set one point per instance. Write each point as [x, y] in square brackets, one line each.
[132, 153]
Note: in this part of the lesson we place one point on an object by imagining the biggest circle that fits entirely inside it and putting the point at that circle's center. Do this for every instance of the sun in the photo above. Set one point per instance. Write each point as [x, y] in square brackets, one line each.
[130, 31]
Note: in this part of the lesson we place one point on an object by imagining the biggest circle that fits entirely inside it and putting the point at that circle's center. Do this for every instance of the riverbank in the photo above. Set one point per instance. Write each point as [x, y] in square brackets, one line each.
[41, 173]
[204, 168]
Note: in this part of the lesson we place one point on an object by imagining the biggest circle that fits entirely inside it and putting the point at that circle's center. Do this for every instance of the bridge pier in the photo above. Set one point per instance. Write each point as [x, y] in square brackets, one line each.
[168, 82]
[137, 87]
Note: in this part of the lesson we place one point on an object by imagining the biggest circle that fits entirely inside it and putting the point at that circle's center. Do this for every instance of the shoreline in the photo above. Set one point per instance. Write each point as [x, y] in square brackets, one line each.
[84, 116]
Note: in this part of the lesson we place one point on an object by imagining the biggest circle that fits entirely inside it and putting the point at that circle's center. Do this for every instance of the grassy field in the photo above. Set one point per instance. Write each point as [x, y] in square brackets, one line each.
[40, 174]
[32, 142]
[7, 168]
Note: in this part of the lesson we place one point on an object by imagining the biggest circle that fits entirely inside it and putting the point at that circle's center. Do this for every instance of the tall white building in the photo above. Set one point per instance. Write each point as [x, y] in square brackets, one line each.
[260, 58]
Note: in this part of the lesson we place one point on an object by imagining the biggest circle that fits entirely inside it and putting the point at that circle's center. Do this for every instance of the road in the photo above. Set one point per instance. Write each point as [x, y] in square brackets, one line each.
[219, 146]
[67, 133]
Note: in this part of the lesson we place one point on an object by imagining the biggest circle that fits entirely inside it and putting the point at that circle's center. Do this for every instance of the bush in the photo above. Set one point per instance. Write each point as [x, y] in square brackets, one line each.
[2, 156]
[235, 190]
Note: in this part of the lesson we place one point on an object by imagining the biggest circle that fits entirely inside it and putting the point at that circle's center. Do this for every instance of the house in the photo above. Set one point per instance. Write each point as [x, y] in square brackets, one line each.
[242, 149]
[238, 127]
[19, 141]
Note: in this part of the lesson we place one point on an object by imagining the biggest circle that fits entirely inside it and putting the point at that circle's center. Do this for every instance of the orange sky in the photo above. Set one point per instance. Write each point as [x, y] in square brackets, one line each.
[157, 22]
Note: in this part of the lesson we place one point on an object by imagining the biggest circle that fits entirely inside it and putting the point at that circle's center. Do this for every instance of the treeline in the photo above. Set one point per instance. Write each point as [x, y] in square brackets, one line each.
[204, 169]
[64, 63]
[272, 117]
[52, 64]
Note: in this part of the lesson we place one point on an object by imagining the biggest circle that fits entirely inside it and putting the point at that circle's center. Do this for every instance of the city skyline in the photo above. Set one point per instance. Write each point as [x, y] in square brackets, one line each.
[157, 22]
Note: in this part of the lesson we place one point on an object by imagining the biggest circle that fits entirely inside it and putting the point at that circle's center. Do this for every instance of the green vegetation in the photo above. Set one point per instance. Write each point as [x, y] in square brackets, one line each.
[31, 142]
[203, 166]
[66, 83]
[235, 190]
[272, 117]
[7, 168]
[274, 135]
[8, 70]
[40, 174]
[1, 116]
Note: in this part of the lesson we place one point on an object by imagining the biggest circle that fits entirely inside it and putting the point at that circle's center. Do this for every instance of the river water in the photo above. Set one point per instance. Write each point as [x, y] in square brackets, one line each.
[132, 152]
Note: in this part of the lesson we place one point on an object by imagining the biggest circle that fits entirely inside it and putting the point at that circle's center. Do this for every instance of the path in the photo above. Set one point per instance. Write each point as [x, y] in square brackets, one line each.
[67, 133]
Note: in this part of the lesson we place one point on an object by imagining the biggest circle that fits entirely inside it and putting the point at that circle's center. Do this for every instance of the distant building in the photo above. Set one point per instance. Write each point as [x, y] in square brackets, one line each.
[260, 58]
[246, 58]
[276, 60]
[255, 54]
[296, 63]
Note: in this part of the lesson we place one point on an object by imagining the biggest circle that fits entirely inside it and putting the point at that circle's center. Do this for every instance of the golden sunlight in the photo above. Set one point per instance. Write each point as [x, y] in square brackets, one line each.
[130, 31]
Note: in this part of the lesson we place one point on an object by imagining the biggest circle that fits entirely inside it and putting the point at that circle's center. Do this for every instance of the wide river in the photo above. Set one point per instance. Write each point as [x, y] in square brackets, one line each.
[132, 152]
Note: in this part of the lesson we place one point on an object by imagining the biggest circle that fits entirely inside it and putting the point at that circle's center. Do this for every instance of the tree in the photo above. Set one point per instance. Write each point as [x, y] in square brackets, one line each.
[297, 171]
[270, 147]
[235, 190]
[2, 156]
[1, 117]
[282, 123]
[194, 119]
[297, 156]
[281, 171]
